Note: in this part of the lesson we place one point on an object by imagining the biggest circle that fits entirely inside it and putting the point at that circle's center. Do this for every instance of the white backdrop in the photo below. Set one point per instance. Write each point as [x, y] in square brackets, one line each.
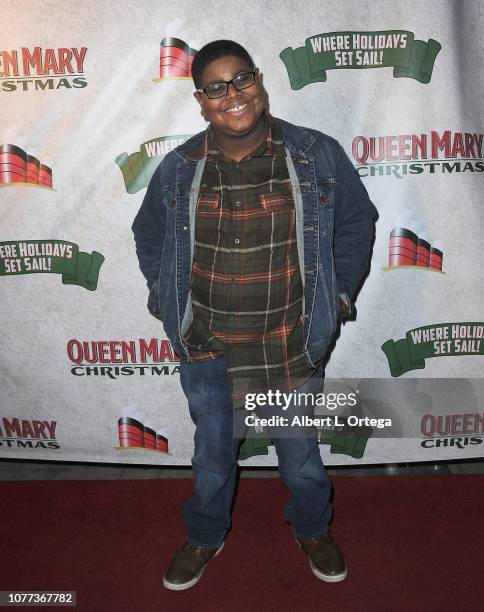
[92, 96]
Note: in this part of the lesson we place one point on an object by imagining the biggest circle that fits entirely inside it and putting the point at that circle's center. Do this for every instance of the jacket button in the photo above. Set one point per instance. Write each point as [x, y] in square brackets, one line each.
[185, 227]
[322, 199]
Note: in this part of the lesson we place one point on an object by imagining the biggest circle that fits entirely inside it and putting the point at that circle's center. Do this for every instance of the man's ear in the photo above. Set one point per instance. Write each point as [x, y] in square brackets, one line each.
[198, 97]
[261, 85]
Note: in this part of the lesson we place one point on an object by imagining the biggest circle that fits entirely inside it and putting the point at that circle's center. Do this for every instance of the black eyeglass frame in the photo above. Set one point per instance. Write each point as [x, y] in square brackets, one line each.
[227, 83]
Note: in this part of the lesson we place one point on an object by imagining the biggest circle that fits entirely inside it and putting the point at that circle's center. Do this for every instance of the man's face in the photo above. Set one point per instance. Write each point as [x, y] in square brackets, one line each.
[220, 112]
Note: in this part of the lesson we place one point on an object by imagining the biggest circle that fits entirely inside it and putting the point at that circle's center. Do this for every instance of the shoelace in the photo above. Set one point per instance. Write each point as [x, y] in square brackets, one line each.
[314, 541]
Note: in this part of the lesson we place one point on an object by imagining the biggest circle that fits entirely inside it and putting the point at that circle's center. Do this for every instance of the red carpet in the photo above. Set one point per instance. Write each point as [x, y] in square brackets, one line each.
[411, 543]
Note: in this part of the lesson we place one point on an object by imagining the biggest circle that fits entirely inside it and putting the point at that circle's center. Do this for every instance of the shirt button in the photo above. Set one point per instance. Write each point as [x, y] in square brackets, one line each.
[236, 241]
[238, 203]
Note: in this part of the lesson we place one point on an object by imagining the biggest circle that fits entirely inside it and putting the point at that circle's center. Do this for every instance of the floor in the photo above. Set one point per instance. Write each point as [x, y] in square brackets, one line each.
[12, 469]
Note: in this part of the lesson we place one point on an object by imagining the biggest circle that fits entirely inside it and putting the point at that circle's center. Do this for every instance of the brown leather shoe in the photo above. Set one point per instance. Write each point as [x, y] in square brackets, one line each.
[186, 567]
[325, 558]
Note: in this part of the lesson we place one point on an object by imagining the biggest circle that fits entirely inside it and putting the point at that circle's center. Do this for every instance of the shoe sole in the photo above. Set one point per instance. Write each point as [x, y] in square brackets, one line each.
[327, 577]
[177, 586]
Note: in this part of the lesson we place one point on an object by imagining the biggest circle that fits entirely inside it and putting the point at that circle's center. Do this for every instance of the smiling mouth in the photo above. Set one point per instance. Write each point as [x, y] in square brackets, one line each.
[236, 109]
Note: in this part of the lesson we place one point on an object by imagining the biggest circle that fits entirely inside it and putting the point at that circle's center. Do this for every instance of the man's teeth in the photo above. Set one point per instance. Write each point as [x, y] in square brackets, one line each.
[234, 109]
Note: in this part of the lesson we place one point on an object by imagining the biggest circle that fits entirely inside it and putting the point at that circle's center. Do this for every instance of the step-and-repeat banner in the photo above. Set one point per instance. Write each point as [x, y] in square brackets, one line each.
[93, 95]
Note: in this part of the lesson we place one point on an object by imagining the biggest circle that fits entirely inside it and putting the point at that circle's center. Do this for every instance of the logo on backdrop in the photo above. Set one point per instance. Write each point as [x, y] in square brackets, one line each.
[176, 58]
[115, 358]
[138, 168]
[443, 430]
[24, 433]
[52, 257]
[343, 440]
[133, 435]
[38, 69]
[409, 249]
[438, 340]
[409, 58]
[444, 152]
[19, 168]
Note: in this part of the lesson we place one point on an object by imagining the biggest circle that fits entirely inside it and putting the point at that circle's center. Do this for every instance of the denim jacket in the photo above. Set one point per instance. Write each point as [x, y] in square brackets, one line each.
[334, 231]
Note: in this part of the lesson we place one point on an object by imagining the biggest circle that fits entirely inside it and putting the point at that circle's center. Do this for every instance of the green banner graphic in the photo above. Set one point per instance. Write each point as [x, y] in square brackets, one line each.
[52, 257]
[343, 440]
[352, 50]
[138, 168]
[438, 340]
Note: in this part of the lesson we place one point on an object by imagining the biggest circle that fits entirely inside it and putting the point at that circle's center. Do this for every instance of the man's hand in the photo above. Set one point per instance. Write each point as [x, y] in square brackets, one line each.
[344, 311]
[344, 307]
[154, 302]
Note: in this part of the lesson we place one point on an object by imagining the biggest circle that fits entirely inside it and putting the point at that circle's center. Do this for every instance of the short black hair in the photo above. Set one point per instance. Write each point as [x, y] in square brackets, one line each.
[214, 51]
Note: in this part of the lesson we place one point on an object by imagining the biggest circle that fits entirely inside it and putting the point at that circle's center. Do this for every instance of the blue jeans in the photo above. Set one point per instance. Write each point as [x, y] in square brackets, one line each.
[207, 513]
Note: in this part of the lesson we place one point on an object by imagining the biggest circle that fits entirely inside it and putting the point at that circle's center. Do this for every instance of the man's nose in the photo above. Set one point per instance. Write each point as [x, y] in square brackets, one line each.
[231, 90]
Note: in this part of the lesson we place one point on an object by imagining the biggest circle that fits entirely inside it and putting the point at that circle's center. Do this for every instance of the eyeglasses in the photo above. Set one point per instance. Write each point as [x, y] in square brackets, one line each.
[218, 89]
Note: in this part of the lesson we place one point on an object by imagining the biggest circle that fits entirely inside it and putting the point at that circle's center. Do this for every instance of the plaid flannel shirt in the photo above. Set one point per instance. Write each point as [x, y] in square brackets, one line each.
[246, 283]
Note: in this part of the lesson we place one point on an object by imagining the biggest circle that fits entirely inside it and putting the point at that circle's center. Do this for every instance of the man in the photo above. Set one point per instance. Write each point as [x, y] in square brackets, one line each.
[253, 237]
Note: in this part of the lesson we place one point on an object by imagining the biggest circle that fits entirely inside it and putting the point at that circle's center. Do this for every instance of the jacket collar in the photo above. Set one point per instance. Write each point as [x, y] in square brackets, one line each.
[297, 139]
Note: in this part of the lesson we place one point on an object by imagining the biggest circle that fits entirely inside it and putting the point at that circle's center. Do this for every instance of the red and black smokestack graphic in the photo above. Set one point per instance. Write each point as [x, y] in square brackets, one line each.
[436, 257]
[150, 438]
[176, 58]
[403, 248]
[161, 443]
[407, 249]
[423, 253]
[133, 434]
[17, 167]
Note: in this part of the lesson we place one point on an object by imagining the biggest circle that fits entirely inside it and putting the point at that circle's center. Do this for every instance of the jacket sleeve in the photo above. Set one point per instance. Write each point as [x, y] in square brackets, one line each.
[149, 235]
[354, 226]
